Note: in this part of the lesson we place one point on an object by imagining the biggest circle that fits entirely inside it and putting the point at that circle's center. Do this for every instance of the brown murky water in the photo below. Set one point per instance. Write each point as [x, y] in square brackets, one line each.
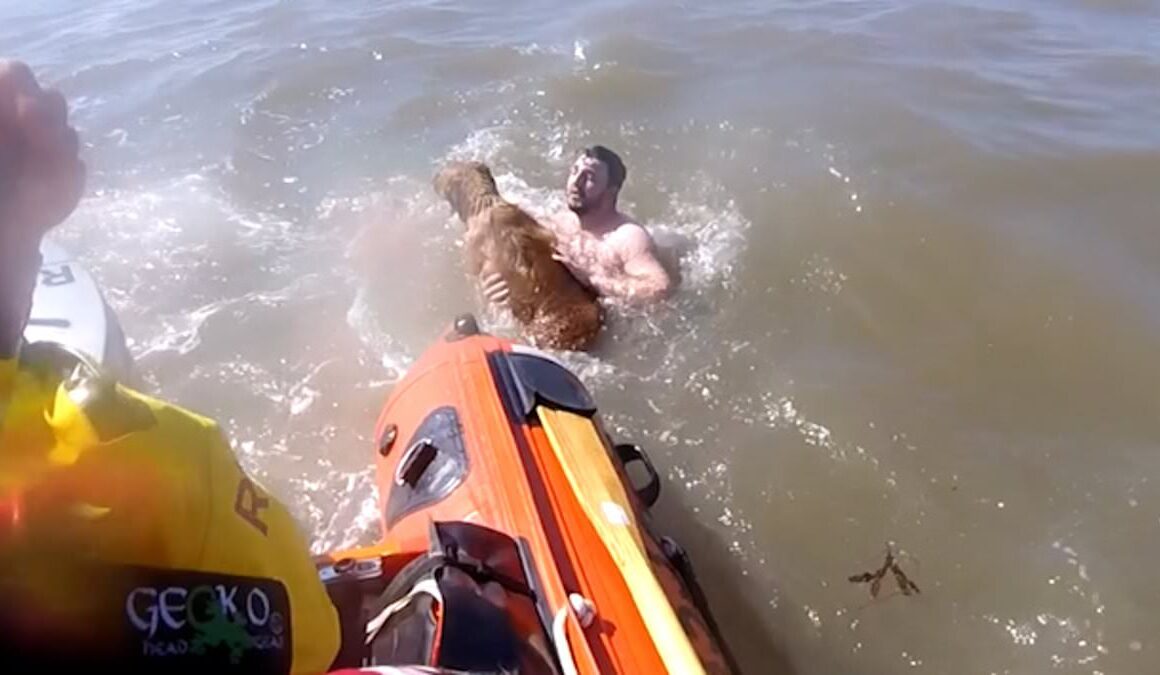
[918, 240]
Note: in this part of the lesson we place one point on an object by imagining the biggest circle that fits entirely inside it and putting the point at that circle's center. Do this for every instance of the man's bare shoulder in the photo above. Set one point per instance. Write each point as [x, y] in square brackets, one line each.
[631, 236]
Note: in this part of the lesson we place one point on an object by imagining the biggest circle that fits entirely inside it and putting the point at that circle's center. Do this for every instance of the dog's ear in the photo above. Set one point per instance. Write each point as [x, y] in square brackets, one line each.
[443, 179]
[484, 179]
[448, 184]
[456, 198]
[499, 217]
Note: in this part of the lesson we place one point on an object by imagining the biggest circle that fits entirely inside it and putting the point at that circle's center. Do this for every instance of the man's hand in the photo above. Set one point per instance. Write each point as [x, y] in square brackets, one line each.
[41, 175]
[583, 272]
[495, 289]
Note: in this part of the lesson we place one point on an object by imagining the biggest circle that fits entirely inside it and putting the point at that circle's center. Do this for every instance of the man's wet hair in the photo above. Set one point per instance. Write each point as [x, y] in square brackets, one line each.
[616, 169]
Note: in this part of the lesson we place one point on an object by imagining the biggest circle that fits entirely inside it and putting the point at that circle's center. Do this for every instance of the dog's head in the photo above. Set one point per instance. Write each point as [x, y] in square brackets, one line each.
[468, 186]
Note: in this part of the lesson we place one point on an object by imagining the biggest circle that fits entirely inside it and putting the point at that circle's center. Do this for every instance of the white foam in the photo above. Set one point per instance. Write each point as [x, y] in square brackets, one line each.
[579, 53]
[354, 520]
[393, 356]
[481, 145]
[705, 224]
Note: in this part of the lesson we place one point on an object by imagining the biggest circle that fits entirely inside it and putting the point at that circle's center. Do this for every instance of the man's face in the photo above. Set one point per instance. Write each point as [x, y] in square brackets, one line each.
[587, 184]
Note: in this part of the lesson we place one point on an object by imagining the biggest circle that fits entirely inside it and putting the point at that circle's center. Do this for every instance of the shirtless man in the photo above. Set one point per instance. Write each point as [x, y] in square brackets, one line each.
[604, 248]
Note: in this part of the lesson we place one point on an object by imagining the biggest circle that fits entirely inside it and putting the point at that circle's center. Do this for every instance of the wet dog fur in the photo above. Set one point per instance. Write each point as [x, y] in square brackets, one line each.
[555, 310]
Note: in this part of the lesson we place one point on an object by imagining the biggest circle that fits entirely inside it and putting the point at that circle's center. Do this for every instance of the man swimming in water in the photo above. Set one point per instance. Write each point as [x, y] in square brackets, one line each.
[603, 247]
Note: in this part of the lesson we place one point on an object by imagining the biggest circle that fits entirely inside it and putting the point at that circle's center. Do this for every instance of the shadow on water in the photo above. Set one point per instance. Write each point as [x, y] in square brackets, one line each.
[733, 600]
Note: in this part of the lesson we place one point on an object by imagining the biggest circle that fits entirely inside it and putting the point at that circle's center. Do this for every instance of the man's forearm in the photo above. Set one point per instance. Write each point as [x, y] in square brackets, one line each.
[632, 288]
[18, 280]
[41, 179]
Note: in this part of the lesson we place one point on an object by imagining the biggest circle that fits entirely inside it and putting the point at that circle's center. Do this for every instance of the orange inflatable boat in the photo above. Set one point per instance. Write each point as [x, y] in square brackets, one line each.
[512, 538]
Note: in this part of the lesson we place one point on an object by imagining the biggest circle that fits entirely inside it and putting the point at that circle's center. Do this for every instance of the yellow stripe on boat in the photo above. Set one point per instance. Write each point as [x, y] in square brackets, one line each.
[597, 487]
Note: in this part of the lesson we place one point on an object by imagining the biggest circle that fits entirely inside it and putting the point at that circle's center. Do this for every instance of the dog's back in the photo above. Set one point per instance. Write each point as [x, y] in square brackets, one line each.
[554, 308]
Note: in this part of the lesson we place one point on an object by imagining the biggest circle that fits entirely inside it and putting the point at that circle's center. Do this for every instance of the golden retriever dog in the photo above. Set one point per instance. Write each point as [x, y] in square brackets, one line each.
[555, 310]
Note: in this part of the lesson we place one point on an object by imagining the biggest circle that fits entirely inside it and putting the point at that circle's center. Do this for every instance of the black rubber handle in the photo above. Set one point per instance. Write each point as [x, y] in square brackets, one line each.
[650, 492]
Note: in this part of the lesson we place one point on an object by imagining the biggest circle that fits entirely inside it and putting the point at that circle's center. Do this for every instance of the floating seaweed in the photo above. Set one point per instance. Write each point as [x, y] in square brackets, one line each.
[889, 565]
